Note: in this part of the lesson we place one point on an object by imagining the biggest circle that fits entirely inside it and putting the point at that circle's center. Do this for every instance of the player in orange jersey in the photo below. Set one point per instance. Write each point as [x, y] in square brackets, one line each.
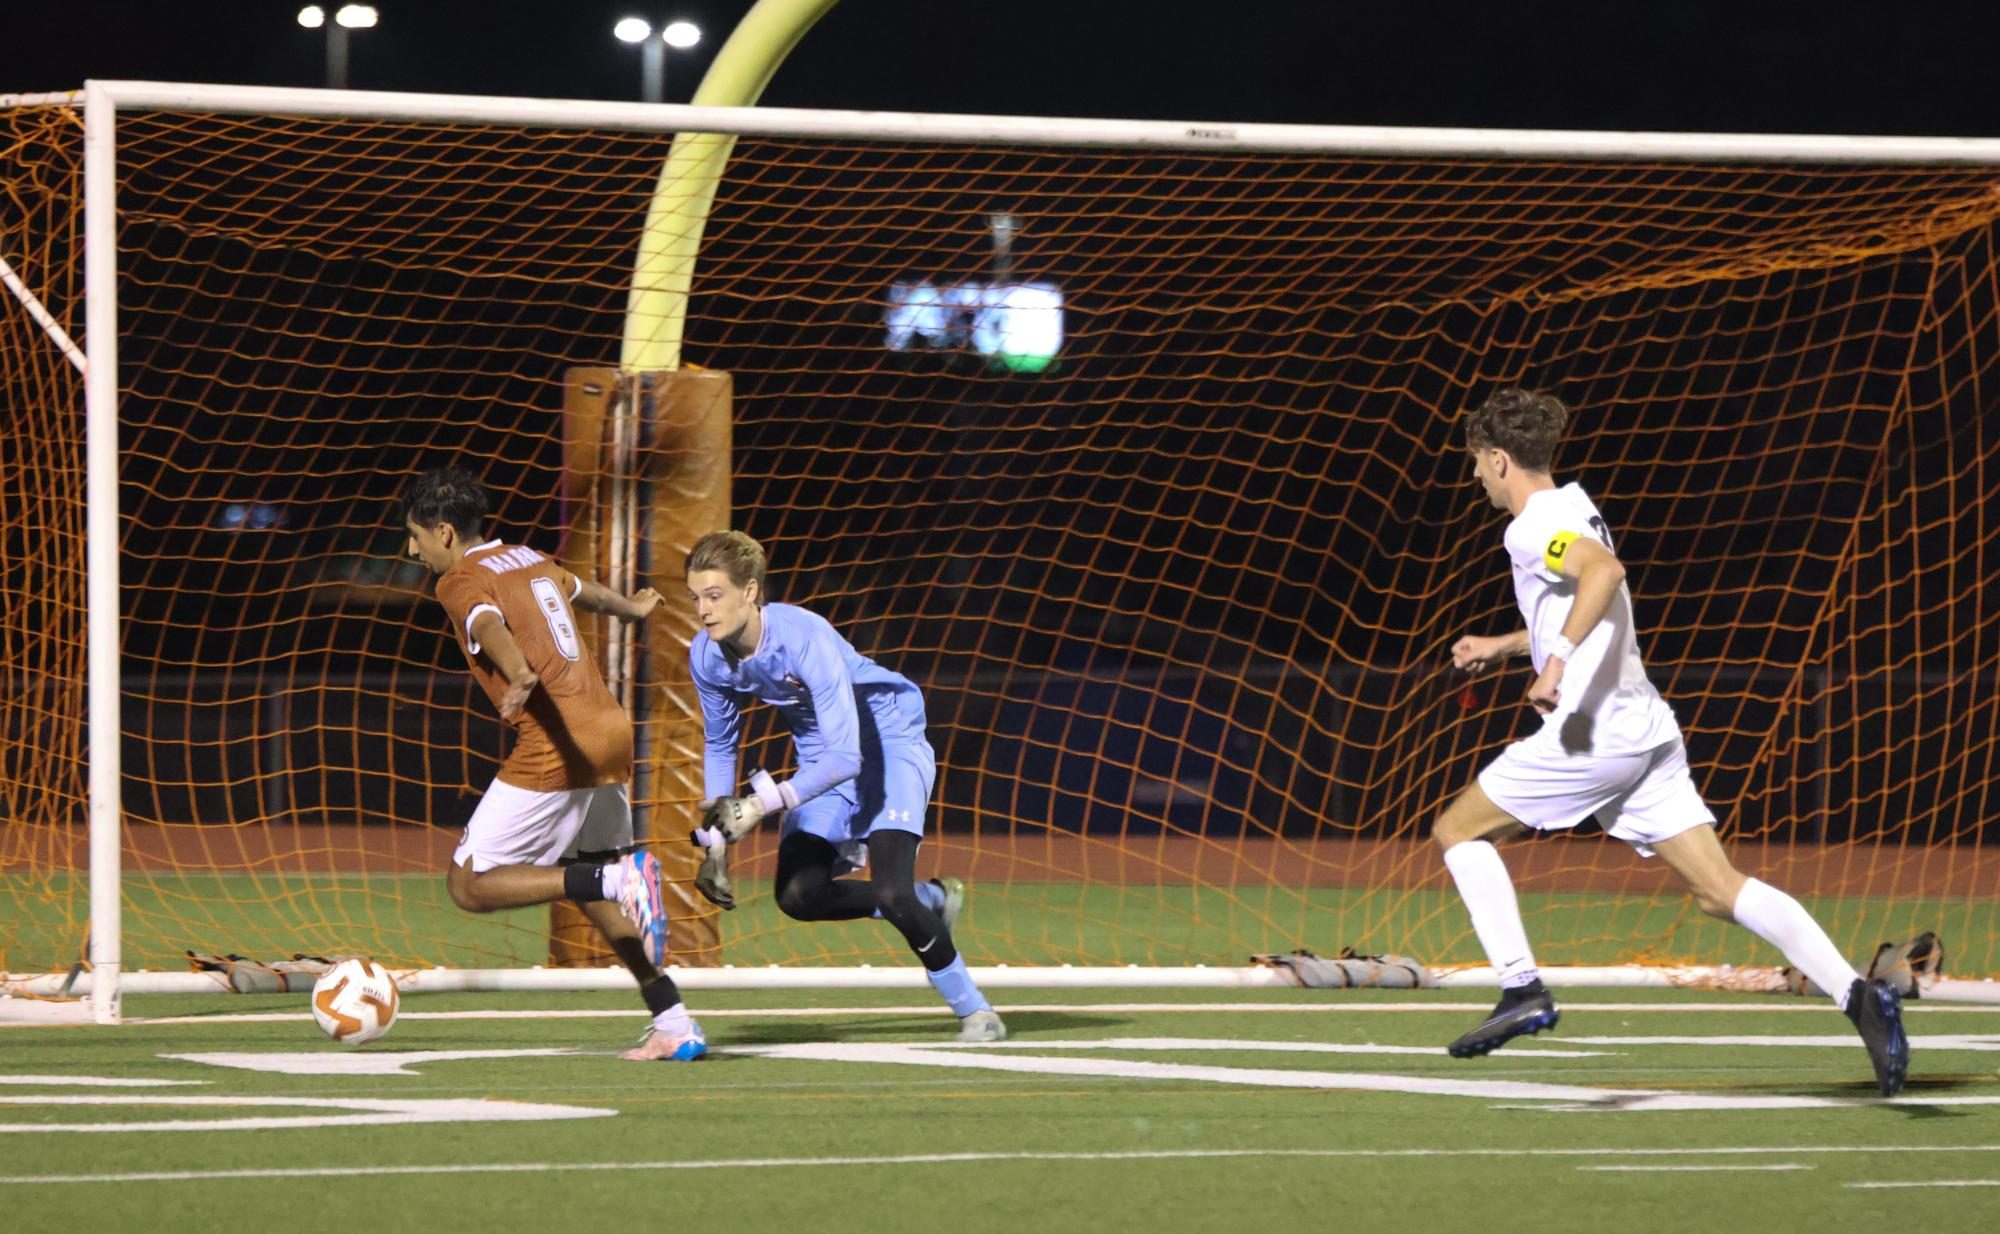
[560, 796]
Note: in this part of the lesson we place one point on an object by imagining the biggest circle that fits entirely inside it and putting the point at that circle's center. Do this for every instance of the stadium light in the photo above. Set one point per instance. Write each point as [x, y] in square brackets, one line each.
[678, 35]
[346, 17]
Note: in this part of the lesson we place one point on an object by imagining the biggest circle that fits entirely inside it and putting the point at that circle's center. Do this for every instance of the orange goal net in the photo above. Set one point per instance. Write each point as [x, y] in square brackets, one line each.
[1178, 586]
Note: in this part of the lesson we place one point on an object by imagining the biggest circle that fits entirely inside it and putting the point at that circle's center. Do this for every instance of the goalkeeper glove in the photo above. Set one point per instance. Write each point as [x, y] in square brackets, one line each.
[729, 819]
[712, 880]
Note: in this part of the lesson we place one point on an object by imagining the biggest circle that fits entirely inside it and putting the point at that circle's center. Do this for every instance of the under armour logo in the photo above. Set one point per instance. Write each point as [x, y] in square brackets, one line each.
[896, 816]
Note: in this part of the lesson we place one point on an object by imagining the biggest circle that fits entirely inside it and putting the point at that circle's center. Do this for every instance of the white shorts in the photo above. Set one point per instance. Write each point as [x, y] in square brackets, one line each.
[521, 827]
[1641, 799]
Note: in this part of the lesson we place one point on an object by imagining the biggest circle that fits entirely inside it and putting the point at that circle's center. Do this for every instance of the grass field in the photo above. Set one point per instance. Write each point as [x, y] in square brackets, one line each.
[409, 920]
[1107, 1111]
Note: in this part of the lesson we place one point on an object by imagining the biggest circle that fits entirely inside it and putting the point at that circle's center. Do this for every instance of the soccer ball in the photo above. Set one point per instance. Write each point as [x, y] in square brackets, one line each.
[355, 1001]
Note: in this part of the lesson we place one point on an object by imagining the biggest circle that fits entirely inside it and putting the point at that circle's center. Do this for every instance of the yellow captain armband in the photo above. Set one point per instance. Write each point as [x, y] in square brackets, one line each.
[1558, 548]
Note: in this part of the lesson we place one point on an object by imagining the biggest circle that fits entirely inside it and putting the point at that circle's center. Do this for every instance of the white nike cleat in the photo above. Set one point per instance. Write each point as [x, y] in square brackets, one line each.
[981, 1026]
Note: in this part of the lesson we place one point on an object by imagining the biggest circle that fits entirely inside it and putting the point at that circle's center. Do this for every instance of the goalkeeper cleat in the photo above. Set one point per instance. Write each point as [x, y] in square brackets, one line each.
[1528, 1009]
[981, 1026]
[656, 1046]
[1877, 1011]
[643, 905]
[953, 891]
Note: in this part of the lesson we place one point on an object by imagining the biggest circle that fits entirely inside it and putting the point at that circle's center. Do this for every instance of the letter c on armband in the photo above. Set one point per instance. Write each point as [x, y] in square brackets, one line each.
[1552, 556]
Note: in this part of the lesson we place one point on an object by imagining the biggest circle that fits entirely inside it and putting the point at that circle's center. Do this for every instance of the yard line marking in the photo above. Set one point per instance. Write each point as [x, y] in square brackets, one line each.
[1564, 1098]
[393, 1063]
[935, 1009]
[1659, 1101]
[1234, 1045]
[374, 1062]
[1935, 1182]
[93, 1081]
[367, 1112]
[1687, 1169]
[1844, 1041]
[758, 1163]
[1360, 1081]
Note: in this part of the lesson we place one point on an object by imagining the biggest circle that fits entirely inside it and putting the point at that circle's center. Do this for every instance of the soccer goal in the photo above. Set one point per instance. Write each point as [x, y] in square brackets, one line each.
[1134, 444]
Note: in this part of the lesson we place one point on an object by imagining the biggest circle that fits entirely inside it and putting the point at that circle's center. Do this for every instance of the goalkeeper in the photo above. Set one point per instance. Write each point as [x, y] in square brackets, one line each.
[864, 776]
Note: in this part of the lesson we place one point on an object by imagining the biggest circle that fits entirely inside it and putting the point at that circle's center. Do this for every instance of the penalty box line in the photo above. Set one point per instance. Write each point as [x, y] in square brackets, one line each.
[765, 1163]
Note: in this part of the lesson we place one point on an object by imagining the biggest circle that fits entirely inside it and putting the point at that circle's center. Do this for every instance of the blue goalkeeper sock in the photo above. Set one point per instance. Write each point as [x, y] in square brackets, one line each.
[954, 984]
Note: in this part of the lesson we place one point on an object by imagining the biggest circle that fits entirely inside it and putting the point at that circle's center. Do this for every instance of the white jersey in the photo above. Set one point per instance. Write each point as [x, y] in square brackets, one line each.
[1606, 706]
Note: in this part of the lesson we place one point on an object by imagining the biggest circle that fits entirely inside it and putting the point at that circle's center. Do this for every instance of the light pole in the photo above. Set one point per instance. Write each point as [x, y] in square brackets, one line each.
[679, 35]
[346, 17]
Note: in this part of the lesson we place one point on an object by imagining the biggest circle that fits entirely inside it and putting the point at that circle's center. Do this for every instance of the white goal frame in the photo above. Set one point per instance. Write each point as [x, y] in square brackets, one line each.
[101, 101]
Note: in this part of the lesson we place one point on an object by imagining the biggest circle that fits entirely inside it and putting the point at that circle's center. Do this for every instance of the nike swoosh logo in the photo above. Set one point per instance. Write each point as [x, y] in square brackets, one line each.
[927, 946]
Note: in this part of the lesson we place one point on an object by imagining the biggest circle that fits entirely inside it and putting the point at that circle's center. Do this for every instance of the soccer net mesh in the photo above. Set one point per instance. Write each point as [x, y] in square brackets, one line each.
[1180, 602]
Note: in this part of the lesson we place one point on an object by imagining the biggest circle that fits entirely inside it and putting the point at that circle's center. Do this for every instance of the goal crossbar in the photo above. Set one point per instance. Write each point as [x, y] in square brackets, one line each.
[1035, 130]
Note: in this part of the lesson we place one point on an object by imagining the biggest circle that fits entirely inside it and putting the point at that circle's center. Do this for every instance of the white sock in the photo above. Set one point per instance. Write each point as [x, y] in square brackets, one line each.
[1783, 922]
[611, 877]
[673, 1022]
[1488, 892]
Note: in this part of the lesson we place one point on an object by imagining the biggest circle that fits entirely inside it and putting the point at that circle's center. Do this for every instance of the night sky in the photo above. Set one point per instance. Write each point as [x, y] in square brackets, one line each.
[1704, 65]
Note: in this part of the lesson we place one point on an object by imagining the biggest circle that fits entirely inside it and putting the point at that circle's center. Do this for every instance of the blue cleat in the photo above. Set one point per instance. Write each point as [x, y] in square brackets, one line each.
[657, 1047]
[1529, 1009]
[643, 904]
[1877, 1012]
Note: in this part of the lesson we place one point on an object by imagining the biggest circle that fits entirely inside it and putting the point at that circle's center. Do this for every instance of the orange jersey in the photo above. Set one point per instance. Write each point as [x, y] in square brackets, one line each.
[573, 733]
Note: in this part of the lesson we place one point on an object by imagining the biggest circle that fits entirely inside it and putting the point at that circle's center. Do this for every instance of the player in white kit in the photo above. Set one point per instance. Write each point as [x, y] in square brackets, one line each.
[1609, 748]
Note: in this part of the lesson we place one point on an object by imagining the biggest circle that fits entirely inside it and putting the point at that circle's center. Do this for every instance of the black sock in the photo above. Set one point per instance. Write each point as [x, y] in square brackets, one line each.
[583, 883]
[660, 994]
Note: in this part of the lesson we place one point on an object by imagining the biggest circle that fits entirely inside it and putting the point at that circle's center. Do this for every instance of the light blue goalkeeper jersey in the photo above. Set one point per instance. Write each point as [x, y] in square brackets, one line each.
[844, 709]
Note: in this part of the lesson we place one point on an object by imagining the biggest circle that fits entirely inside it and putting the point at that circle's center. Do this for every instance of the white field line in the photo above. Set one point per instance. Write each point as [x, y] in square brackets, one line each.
[1238, 1045]
[1259, 1077]
[1564, 1098]
[1686, 1169]
[575, 1013]
[355, 1112]
[94, 1081]
[755, 1163]
[1841, 1041]
[1936, 1182]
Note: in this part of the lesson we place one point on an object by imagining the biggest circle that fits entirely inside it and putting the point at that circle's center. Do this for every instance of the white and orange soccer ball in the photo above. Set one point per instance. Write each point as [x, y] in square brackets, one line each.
[355, 1001]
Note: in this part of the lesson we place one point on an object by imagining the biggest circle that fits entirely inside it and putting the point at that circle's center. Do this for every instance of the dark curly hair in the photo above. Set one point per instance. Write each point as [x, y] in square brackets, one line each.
[448, 495]
[1525, 423]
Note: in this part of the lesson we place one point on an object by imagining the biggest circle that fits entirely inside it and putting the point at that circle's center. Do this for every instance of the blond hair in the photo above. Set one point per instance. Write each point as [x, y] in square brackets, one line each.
[733, 553]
